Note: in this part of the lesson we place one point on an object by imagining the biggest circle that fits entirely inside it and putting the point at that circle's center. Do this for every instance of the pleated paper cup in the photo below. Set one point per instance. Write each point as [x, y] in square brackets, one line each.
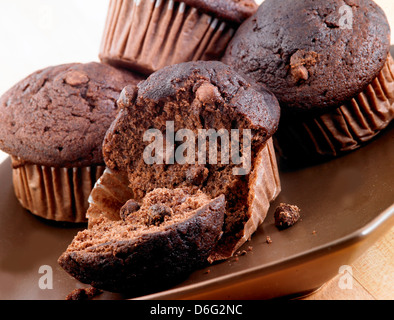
[264, 188]
[344, 129]
[57, 194]
[108, 196]
[147, 35]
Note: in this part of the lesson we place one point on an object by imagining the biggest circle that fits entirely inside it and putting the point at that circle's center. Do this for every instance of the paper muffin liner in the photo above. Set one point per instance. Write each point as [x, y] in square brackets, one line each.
[108, 196]
[58, 194]
[147, 35]
[264, 188]
[112, 192]
[346, 128]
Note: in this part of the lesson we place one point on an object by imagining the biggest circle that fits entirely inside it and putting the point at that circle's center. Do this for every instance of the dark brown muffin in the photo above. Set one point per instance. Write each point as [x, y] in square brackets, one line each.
[136, 254]
[299, 50]
[52, 124]
[58, 116]
[235, 11]
[143, 228]
[147, 35]
[198, 96]
[328, 64]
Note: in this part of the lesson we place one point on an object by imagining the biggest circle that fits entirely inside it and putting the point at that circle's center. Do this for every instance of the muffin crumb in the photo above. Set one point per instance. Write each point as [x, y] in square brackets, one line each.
[269, 240]
[286, 216]
[84, 294]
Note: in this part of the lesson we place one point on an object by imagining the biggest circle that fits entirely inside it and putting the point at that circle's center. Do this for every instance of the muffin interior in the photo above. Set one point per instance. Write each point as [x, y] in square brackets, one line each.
[198, 104]
[159, 210]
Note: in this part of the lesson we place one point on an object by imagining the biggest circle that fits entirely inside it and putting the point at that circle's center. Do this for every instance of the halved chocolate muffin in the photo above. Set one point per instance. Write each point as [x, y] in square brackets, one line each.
[198, 96]
[167, 235]
[173, 109]
[329, 65]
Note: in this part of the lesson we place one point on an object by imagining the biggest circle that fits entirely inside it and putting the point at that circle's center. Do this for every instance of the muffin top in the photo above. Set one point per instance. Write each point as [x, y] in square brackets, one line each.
[196, 96]
[312, 54]
[244, 97]
[58, 116]
[235, 11]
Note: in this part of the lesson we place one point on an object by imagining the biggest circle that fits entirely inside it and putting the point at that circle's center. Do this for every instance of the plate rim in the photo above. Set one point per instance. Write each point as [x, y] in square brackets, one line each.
[381, 224]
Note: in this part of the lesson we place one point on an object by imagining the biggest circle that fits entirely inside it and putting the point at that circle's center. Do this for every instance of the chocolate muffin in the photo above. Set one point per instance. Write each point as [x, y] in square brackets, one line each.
[53, 124]
[181, 103]
[147, 35]
[193, 98]
[171, 234]
[328, 63]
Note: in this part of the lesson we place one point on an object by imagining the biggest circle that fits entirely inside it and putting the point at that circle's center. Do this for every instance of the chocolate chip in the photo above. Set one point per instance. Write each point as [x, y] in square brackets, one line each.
[207, 93]
[127, 96]
[197, 175]
[300, 63]
[76, 78]
[158, 213]
[130, 207]
[299, 73]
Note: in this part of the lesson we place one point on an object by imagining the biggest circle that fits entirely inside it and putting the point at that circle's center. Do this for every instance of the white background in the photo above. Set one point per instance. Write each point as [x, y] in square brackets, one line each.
[35, 34]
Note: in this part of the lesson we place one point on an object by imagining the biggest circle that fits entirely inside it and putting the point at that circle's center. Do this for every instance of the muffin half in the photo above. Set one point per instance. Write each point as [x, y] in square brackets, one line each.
[169, 234]
[185, 128]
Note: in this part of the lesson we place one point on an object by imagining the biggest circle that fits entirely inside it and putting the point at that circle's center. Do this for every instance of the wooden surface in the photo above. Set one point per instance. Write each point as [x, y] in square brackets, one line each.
[372, 276]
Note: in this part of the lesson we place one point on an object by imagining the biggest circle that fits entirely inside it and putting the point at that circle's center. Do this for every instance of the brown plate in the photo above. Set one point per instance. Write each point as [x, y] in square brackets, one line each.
[347, 204]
